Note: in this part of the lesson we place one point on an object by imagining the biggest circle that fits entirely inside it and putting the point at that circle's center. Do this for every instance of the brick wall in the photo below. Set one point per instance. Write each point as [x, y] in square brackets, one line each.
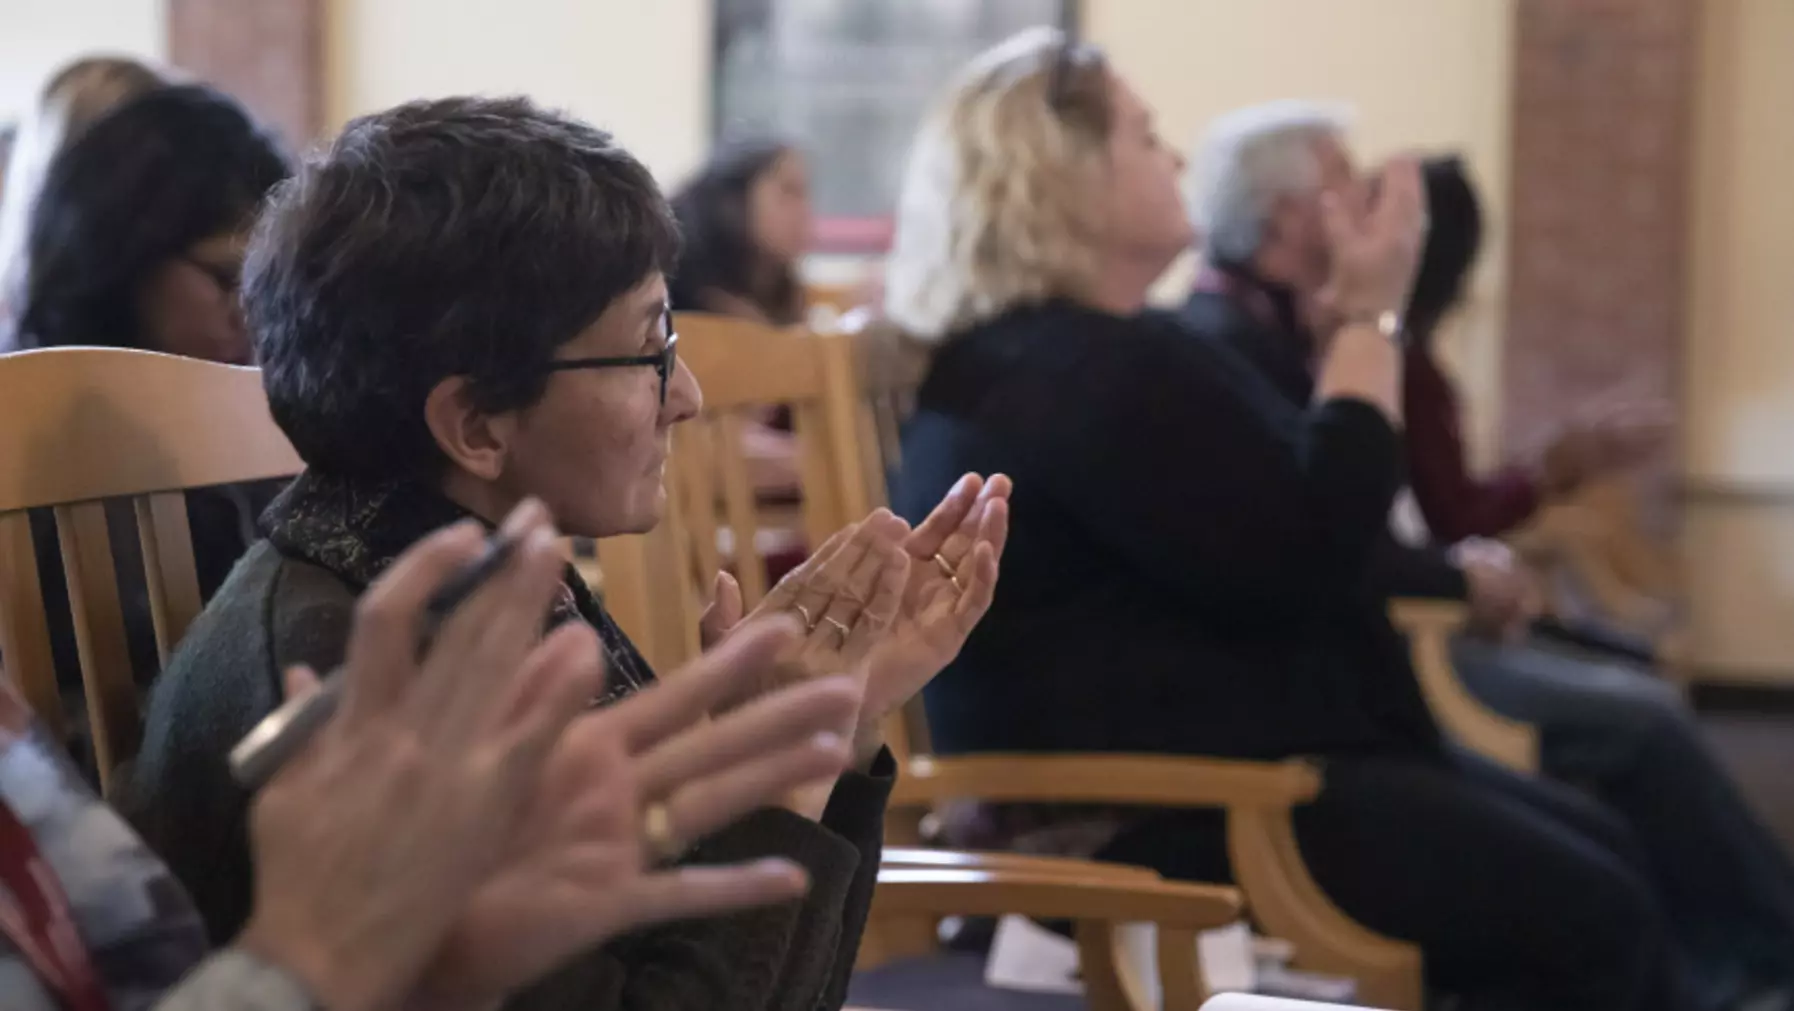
[268, 53]
[1599, 212]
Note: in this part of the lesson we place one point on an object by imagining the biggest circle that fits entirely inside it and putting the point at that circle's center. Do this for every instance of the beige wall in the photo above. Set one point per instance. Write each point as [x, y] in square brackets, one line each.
[38, 36]
[636, 67]
[1740, 350]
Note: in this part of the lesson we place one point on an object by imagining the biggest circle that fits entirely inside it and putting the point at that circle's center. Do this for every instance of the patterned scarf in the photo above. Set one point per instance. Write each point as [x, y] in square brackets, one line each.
[356, 529]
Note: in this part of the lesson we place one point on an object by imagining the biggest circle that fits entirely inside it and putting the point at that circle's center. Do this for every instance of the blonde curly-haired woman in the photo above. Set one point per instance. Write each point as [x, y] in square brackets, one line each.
[1184, 573]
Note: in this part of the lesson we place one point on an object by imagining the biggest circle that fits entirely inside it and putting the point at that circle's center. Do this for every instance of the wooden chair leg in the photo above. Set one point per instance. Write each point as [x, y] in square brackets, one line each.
[1288, 904]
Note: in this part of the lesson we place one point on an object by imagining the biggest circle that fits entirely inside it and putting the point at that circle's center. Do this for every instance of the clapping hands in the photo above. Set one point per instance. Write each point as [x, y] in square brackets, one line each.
[465, 822]
[890, 605]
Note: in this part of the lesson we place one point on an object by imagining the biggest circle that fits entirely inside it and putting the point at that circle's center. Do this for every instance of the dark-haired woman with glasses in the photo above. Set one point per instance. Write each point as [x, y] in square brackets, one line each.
[136, 240]
[459, 305]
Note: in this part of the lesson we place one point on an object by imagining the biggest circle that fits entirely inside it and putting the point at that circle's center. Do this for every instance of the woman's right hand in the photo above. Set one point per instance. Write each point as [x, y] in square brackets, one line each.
[1603, 440]
[1375, 234]
[846, 595]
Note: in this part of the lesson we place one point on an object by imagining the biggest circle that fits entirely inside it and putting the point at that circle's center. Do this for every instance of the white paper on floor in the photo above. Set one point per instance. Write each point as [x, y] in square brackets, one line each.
[1026, 956]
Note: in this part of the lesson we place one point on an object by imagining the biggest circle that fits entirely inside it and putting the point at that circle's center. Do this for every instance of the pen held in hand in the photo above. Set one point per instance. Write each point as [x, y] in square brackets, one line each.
[284, 732]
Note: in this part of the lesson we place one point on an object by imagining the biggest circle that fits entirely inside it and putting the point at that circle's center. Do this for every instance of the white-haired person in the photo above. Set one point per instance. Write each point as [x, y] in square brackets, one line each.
[462, 826]
[1187, 562]
[1625, 737]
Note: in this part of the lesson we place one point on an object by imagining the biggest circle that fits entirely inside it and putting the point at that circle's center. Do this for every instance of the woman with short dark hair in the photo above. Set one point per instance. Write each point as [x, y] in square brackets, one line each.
[460, 304]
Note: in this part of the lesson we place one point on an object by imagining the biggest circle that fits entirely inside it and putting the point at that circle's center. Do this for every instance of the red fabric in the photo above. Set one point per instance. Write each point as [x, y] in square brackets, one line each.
[35, 917]
[1455, 504]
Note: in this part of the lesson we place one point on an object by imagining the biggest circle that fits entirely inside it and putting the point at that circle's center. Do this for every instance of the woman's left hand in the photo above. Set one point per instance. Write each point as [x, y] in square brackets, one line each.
[954, 556]
[951, 576]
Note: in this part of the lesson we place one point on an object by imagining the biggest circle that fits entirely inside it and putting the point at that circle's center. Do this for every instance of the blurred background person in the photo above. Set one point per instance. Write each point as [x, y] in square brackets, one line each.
[1258, 181]
[136, 240]
[744, 219]
[75, 96]
[1456, 503]
[136, 236]
[744, 224]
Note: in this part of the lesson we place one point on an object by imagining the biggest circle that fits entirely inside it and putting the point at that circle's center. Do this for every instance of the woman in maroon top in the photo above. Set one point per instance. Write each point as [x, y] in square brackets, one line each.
[1455, 503]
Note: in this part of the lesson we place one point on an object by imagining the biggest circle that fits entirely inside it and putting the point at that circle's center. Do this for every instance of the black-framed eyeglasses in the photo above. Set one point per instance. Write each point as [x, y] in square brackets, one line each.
[664, 362]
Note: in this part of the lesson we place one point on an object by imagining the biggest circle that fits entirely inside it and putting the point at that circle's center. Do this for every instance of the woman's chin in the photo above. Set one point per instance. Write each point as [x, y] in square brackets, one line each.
[644, 514]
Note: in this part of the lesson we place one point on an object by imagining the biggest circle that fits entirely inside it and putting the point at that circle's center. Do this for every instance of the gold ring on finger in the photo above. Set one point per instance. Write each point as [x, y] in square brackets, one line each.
[838, 626]
[657, 833]
[809, 622]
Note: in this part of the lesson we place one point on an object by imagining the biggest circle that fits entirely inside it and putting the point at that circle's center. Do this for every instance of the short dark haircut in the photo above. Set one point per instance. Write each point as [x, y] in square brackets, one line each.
[456, 237]
[162, 171]
[719, 253]
[1454, 237]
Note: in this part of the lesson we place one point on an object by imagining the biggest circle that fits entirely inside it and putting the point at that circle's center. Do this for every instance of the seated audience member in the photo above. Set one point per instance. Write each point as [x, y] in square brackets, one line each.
[1579, 470]
[136, 241]
[75, 96]
[1206, 541]
[744, 221]
[744, 224]
[1455, 503]
[415, 773]
[459, 304]
[1257, 187]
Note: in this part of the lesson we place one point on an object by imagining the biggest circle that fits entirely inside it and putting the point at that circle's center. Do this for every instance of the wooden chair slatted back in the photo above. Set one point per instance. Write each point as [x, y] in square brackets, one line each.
[90, 424]
[714, 519]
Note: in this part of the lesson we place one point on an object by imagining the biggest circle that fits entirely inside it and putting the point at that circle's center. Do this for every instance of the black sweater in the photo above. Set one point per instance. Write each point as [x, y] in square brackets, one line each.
[1282, 354]
[1187, 556]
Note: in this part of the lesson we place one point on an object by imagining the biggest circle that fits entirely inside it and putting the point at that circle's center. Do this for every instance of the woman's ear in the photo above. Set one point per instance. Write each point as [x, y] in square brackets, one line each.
[473, 441]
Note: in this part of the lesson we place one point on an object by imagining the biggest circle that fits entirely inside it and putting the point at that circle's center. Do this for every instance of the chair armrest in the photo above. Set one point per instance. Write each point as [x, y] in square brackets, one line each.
[954, 891]
[896, 857]
[1429, 626]
[1144, 780]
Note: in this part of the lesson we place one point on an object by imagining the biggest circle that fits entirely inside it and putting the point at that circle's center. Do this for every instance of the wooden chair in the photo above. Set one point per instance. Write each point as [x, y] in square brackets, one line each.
[1098, 898]
[88, 424]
